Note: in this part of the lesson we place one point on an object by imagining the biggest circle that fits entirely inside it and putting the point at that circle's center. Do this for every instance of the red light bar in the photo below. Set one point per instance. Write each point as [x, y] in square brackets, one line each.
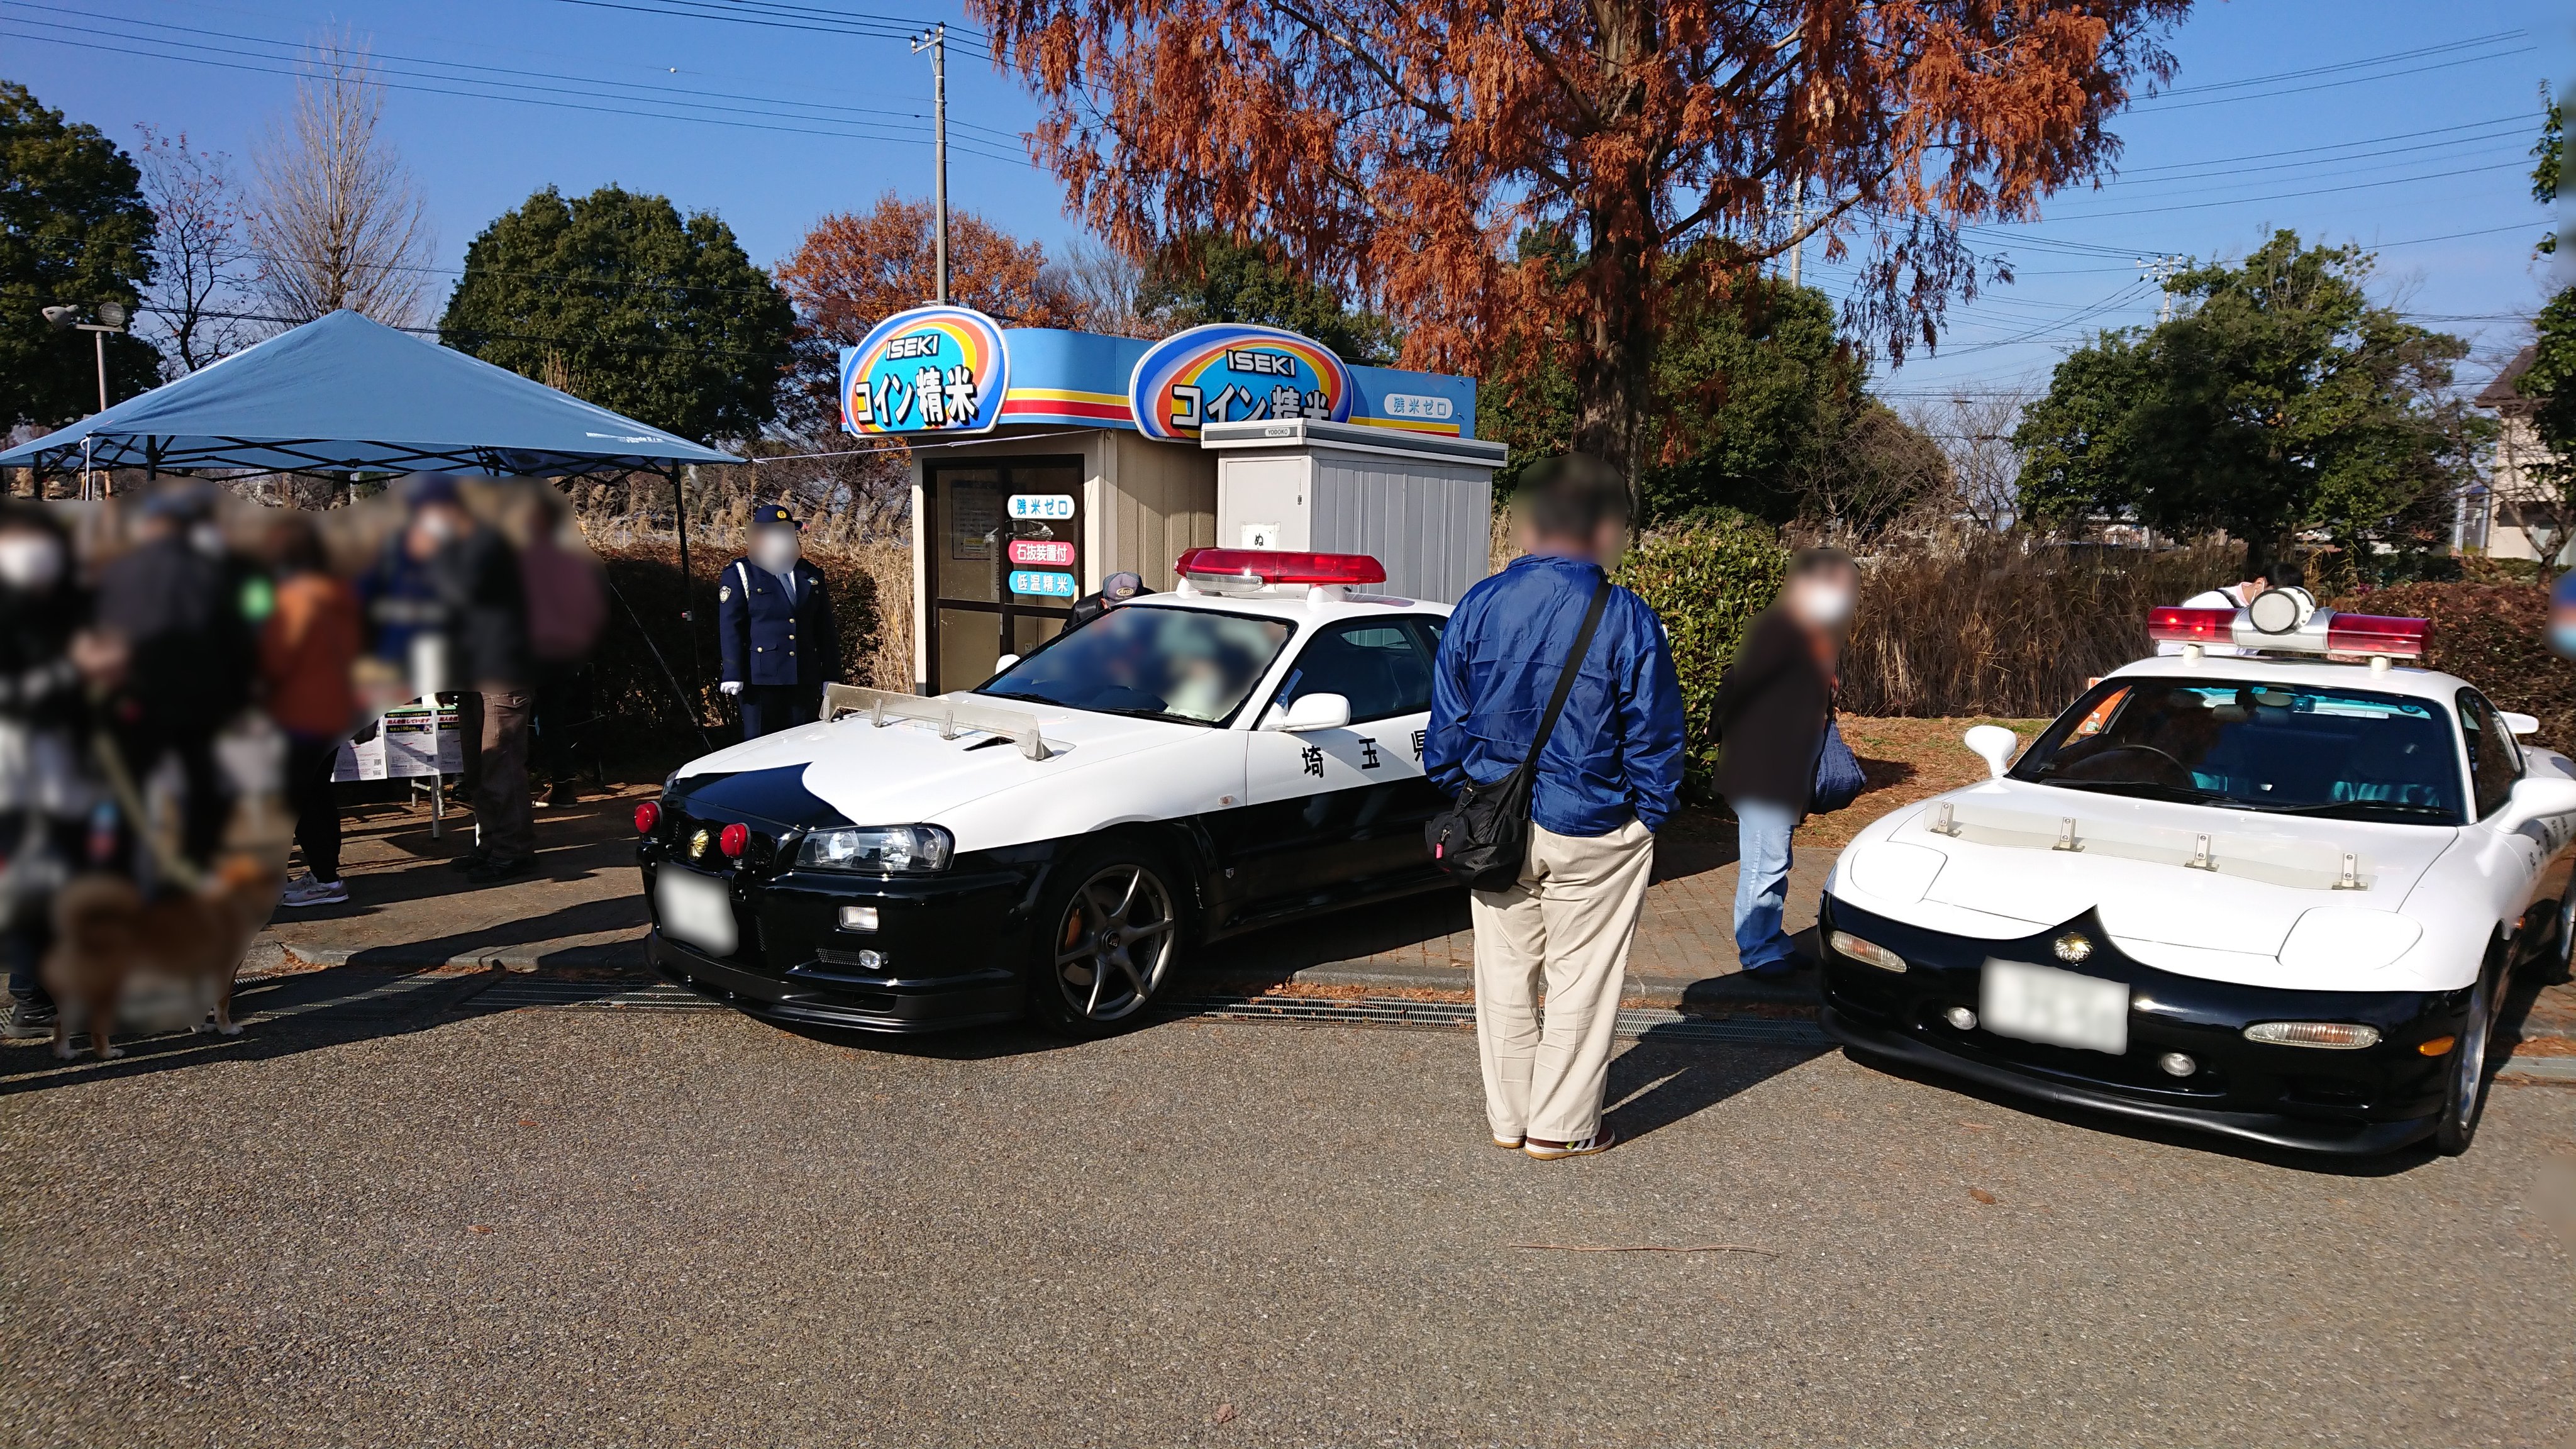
[1282, 568]
[2177, 625]
[2377, 634]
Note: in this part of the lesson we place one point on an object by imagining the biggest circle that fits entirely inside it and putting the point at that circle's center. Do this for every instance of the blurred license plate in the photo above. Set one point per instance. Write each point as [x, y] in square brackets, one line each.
[2041, 1003]
[695, 908]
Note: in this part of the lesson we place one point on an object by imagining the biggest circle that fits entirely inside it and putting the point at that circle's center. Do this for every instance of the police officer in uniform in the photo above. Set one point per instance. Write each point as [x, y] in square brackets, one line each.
[774, 618]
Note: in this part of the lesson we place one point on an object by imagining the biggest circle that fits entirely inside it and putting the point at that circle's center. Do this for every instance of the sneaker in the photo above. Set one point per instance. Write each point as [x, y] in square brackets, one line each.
[1601, 1140]
[498, 869]
[1508, 1144]
[28, 1020]
[470, 862]
[306, 891]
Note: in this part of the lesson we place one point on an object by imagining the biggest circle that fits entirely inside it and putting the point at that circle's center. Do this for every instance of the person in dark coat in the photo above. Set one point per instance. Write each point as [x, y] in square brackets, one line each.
[1772, 705]
[175, 599]
[47, 788]
[1116, 589]
[775, 628]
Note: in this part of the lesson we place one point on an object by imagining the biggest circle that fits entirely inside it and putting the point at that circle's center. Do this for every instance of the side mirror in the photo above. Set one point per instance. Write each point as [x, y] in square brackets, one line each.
[2536, 796]
[1993, 744]
[2520, 724]
[1317, 712]
[1005, 662]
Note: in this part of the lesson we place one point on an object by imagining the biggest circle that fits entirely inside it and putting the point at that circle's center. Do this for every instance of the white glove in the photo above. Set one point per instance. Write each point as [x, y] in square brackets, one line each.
[731, 687]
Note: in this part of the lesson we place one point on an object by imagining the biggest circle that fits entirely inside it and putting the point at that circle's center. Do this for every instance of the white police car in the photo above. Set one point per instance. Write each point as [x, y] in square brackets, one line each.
[2278, 895]
[1243, 751]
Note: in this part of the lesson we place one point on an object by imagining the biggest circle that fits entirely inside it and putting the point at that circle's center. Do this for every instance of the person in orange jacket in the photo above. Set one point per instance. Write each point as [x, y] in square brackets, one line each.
[306, 648]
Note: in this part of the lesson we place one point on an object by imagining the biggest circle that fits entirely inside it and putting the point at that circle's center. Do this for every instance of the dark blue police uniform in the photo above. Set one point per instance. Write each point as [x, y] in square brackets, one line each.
[783, 647]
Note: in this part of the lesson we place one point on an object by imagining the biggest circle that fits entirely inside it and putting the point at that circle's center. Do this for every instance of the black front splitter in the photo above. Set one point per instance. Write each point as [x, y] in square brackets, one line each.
[2349, 1139]
[980, 999]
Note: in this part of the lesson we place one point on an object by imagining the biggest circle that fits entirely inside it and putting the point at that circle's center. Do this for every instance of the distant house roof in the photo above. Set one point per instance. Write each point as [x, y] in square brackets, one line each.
[342, 393]
[2503, 392]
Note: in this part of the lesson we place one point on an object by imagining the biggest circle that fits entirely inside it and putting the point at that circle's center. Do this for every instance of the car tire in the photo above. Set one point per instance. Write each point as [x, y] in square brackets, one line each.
[2466, 1096]
[1111, 924]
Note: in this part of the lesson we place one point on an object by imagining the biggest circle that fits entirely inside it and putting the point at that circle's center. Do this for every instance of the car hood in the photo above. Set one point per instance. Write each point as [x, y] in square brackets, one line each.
[903, 772]
[2156, 871]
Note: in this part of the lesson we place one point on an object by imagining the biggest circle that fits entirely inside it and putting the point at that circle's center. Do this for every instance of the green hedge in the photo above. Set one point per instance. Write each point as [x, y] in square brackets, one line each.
[2495, 636]
[1707, 583]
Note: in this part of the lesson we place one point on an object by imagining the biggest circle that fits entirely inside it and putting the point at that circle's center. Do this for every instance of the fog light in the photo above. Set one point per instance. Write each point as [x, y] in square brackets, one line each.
[2177, 1065]
[871, 960]
[2343, 1036]
[1869, 951]
[2439, 1046]
[1961, 1017]
[858, 918]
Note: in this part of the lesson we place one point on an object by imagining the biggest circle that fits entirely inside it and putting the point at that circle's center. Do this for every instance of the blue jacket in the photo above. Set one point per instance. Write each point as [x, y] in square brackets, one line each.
[766, 639]
[1617, 749]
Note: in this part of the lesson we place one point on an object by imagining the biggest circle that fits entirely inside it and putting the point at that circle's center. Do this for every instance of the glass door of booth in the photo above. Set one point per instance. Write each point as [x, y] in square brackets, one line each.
[1005, 553]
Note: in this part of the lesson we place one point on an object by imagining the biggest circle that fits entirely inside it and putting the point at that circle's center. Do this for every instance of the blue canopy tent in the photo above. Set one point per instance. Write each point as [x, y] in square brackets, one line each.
[342, 394]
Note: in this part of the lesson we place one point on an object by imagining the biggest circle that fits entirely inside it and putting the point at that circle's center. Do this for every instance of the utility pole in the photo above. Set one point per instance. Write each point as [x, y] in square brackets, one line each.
[1798, 226]
[2163, 270]
[935, 40]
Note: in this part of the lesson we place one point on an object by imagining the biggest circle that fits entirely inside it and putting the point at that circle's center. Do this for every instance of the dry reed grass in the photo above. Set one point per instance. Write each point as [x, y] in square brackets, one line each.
[2001, 624]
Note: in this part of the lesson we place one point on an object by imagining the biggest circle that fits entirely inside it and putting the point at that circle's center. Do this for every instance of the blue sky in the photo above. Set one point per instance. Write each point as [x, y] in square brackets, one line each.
[2258, 133]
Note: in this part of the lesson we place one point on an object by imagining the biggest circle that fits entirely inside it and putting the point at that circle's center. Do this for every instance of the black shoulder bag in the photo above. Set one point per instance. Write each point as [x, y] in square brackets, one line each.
[1482, 839]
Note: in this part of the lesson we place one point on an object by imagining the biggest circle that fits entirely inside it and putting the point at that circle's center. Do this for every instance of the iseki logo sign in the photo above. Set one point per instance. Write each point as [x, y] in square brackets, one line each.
[1226, 373]
[932, 369]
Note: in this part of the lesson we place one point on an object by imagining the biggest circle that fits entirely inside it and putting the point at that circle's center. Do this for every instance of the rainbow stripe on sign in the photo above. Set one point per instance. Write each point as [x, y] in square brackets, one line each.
[1228, 372]
[929, 370]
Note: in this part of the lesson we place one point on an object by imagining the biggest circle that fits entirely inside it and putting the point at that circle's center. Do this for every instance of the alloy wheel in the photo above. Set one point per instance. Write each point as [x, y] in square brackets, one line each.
[1115, 942]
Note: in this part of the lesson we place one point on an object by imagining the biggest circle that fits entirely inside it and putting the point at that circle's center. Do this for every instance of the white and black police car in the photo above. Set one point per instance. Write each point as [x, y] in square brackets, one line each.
[1243, 751]
[2279, 894]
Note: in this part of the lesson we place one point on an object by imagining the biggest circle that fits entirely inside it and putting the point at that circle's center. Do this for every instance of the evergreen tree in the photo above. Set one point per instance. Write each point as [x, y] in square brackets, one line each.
[74, 231]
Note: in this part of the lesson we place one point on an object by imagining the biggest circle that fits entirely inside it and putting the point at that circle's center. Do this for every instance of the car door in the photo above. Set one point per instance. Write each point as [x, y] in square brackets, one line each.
[2495, 767]
[1337, 814]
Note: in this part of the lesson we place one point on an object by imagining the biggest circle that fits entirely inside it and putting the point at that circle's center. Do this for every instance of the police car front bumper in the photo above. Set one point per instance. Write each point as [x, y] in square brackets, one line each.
[946, 952]
[2355, 1102]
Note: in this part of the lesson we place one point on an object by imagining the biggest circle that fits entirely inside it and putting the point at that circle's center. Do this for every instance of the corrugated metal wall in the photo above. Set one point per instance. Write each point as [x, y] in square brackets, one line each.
[1430, 523]
[1157, 500]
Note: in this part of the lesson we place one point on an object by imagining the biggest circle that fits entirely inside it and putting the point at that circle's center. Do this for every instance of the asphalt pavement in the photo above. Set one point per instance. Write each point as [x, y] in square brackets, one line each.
[410, 1208]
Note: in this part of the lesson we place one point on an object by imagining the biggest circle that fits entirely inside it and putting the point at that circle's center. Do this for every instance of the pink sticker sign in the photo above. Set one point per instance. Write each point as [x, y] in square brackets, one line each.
[1041, 553]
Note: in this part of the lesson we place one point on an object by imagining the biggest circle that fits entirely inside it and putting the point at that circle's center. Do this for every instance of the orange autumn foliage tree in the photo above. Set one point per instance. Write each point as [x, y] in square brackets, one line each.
[1400, 152]
[853, 270]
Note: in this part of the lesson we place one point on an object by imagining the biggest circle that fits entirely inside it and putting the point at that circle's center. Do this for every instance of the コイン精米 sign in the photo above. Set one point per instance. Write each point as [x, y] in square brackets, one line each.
[1229, 372]
[929, 370]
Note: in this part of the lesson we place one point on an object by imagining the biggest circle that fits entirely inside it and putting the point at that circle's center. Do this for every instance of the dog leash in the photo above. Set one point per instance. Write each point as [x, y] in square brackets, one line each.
[111, 763]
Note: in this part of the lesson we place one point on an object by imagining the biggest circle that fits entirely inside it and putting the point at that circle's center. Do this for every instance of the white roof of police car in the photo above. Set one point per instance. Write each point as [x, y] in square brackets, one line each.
[2295, 670]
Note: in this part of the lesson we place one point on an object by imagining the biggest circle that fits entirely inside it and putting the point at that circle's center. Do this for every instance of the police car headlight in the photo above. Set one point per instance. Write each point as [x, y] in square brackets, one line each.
[879, 849]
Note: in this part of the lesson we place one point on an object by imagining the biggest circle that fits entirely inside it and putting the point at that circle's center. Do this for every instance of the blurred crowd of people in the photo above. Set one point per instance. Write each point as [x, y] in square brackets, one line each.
[190, 648]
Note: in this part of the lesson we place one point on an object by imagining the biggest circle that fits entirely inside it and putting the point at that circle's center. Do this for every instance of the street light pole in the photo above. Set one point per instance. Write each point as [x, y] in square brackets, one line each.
[935, 40]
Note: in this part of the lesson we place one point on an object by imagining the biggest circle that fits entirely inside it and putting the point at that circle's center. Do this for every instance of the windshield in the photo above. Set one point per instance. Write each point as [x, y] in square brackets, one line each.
[2350, 754]
[1158, 663]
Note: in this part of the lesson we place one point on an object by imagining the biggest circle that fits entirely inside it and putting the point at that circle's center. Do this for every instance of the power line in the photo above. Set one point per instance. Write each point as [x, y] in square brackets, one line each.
[2291, 195]
[2246, 91]
[406, 80]
[790, 17]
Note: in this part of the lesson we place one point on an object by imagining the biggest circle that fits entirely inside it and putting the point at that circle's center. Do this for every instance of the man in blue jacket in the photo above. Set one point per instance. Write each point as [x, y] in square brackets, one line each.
[1608, 778]
[774, 621]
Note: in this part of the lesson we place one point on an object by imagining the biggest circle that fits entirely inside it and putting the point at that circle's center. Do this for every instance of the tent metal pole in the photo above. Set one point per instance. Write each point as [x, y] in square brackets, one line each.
[688, 615]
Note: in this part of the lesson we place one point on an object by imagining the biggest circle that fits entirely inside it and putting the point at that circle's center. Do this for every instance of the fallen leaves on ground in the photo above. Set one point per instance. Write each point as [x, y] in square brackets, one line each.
[1983, 1196]
[1224, 1414]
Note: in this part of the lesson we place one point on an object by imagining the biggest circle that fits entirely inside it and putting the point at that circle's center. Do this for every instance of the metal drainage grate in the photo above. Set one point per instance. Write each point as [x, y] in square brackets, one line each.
[1655, 1023]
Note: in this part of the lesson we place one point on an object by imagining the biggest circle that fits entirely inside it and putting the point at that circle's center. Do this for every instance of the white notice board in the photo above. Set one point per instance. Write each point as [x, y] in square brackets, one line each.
[409, 742]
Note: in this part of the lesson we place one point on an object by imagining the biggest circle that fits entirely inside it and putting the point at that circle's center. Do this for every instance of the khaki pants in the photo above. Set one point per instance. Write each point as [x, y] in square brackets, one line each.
[1567, 922]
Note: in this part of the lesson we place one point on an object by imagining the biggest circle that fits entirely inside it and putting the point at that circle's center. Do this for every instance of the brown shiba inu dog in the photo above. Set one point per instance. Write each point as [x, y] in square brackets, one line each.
[104, 931]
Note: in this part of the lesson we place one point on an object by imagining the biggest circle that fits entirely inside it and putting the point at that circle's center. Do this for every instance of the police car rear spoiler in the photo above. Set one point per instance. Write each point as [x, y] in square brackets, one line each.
[882, 707]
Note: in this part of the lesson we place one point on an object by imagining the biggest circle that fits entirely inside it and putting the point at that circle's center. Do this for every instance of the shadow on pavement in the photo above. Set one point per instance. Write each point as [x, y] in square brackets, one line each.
[280, 1016]
[1657, 1083]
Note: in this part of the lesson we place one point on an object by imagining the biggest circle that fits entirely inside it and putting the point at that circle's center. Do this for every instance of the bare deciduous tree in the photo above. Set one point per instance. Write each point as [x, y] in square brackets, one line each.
[1976, 434]
[197, 299]
[1103, 289]
[340, 221]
